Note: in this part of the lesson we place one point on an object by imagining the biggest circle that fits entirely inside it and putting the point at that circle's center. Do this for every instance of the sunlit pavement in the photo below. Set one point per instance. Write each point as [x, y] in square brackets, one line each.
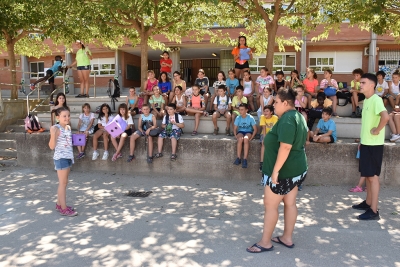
[184, 222]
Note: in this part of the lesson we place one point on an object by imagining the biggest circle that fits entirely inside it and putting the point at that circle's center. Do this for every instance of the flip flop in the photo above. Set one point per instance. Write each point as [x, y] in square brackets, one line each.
[280, 242]
[262, 249]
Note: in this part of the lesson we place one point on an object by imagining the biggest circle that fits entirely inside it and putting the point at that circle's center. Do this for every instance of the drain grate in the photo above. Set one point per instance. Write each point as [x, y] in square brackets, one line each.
[138, 193]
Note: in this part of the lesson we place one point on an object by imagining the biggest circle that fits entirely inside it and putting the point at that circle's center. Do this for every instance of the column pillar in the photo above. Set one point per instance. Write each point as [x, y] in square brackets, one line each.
[25, 68]
[175, 56]
[69, 74]
[372, 54]
[118, 68]
[303, 57]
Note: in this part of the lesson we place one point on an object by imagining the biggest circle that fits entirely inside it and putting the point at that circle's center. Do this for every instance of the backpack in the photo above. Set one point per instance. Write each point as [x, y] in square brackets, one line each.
[32, 123]
[117, 89]
[343, 94]
[168, 127]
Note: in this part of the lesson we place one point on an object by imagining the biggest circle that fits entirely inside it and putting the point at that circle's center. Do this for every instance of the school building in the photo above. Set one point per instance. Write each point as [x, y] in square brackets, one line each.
[342, 52]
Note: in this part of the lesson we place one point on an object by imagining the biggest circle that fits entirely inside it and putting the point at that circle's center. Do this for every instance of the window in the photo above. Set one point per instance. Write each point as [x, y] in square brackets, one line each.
[37, 69]
[103, 66]
[282, 61]
[7, 62]
[338, 61]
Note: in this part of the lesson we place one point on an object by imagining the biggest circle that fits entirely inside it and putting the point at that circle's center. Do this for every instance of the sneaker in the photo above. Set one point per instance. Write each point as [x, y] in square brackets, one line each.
[149, 159]
[362, 206]
[369, 215]
[83, 155]
[130, 158]
[395, 137]
[79, 96]
[95, 155]
[253, 113]
[105, 155]
[237, 161]
[358, 111]
[356, 189]
[79, 156]
[32, 86]
[244, 163]
[353, 115]
[68, 212]
[58, 207]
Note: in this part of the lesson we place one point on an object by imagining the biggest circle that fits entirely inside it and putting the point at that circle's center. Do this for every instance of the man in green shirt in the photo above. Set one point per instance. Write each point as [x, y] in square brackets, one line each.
[374, 119]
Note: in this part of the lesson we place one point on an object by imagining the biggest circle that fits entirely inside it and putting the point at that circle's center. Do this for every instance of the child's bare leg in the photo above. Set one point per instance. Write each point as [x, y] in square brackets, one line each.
[174, 144]
[324, 139]
[334, 103]
[105, 140]
[355, 96]
[392, 125]
[361, 182]
[160, 144]
[96, 138]
[132, 143]
[246, 145]
[150, 147]
[206, 100]
[121, 142]
[397, 100]
[258, 99]
[251, 102]
[233, 119]
[392, 101]
[196, 121]
[305, 115]
[212, 100]
[114, 143]
[62, 187]
[215, 116]
[239, 145]
[228, 117]
[171, 96]
[309, 98]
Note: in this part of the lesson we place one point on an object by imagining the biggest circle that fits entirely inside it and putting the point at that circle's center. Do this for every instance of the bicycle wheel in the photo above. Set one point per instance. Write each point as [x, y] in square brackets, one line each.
[110, 89]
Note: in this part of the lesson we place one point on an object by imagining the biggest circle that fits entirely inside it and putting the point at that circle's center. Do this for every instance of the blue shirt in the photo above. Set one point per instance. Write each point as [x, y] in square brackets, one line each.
[55, 67]
[325, 126]
[232, 84]
[164, 87]
[245, 124]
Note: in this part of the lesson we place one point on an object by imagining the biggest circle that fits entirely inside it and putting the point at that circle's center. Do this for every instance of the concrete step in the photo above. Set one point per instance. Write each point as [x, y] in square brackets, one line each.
[17, 128]
[7, 136]
[8, 161]
[8, 152]
[4, 144]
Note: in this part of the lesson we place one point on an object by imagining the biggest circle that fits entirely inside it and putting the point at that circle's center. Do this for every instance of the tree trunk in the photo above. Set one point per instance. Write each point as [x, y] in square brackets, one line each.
[144, 41]
[10, 51]
[269, 61]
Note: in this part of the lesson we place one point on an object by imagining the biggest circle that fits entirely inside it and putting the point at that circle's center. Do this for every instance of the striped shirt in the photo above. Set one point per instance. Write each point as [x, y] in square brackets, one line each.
[63, 148]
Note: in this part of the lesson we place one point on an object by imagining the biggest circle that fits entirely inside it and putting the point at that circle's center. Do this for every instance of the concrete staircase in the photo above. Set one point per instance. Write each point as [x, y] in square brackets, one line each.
[8, 149]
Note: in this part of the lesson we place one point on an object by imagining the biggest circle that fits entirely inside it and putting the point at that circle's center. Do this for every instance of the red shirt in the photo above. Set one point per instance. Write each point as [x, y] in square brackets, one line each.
[166, 69]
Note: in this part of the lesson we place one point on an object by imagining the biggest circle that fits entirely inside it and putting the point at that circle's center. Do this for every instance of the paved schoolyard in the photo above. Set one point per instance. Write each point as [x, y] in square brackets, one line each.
[184, 222]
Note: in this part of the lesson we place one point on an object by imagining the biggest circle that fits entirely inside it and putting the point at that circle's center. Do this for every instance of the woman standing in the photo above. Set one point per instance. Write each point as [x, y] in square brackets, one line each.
[82, 61]
[241, 55]
[284, 169]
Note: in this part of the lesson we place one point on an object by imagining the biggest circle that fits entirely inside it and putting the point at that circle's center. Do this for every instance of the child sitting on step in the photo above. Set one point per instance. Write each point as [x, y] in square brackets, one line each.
[172, 124]
[222, 107]
[267, 121]
[85, 126]
[123, 112]
[326, 129]
[105, 117]
[132, 101]
[196, 106]
[238, 99]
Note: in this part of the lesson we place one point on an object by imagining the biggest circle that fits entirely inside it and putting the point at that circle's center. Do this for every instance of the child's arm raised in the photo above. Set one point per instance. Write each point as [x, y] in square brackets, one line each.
[54, 133]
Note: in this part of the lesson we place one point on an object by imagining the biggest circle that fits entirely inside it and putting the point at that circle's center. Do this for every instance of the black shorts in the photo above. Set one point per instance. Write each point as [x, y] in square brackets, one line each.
[244, 66]
[361, 97]
[88, 67]
[158, 109]
[49, 74]
[134, 109]
[370, 160]
[331, 137]
[202, 92]
[285, 186]
[129, 131]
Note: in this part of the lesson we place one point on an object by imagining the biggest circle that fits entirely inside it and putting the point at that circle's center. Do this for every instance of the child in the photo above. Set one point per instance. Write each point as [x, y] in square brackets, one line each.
[279, 82]
[231, 83]
[50, 74]
[326, 129]
[165, 86]
[294, 79]
[241, 54]
[237, 100]
[196, 107]
[301, 101]
[382, 87]
[85, 126]
[179, 100]
[265, 99]
[310, 85]
[356, 96]
[267, 121]
[148, 85]
[244, 130]
[329, 82]
[166, 64]
[61, 101]
[157, 103]
[248, 87]
[359, 188]
[394, 90]
[123, 112]
[264, 80]
[222, 106]
[172, 124]
[147, 122]
[61, 142]
[317, 106]
[394, 124]
[132, 101]
[177, 82]
[221, 81]
[203, 83]
[105, 117]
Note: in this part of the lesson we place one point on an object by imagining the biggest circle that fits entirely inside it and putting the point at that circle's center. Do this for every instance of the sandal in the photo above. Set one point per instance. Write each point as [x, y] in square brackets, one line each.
[227, 131]
[216, 130]
[149, 159]
[130, 158]
[206, 114]
[173, 157]
[158, 155]
[194, 133]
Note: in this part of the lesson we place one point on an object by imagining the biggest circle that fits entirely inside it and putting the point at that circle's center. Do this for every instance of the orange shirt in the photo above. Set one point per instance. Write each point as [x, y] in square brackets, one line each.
[196, 101]
[236, 51]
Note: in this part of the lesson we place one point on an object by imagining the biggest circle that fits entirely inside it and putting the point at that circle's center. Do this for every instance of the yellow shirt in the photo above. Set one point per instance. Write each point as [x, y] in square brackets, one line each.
[357, 86]
[236, 102]
[268, 123]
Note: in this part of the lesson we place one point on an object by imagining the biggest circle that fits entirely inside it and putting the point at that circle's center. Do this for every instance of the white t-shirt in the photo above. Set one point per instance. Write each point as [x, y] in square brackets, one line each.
[128, 121]
[171, 119]
[103, 121]
[380, 88]
[223, 102]
[395, 88]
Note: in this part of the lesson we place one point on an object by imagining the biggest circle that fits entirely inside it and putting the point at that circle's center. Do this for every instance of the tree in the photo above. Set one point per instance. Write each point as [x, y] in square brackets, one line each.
[263, 19]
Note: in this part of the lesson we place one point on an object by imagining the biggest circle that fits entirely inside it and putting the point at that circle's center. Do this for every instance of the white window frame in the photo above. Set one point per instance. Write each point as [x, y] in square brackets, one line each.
[275, 67]
[319, 64]
[39, 74]
[7, 62]
[344, 62]
[99, 62]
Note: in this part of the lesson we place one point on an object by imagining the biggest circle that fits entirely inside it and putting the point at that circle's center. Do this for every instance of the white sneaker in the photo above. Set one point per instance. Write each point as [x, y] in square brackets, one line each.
[105, 155]
[95, 155]
[395, 137]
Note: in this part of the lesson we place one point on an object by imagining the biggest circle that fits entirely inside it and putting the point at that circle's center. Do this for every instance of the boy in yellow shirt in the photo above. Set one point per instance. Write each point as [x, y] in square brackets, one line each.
[356, 95]
[238, 99]
[267, 121]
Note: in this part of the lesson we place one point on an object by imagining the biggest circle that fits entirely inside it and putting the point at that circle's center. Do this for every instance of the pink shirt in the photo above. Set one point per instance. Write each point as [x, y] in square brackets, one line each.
[310, 85]
[150, 85]
[324, 83]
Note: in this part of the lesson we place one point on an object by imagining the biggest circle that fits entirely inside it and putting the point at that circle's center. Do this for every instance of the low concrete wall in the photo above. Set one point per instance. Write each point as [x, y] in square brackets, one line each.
[213, 157]
[13, 110]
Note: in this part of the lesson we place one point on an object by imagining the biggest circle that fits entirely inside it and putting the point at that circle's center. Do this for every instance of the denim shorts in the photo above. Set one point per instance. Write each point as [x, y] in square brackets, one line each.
[176, 133]
[62, 164]
[88, 67]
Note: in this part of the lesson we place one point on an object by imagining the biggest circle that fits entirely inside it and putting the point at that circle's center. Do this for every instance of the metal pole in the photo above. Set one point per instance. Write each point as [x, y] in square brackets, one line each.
[372, 54]
[64, 81]
[94, 84]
